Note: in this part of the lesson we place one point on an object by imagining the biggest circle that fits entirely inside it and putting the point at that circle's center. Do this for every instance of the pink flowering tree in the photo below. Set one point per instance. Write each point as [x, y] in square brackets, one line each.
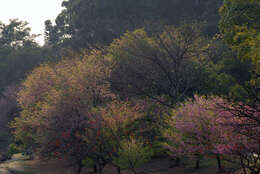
[213, 126]
[196, 130]
[243, 119]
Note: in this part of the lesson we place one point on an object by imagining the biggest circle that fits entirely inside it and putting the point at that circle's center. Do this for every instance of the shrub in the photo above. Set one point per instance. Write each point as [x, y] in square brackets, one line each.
[13, 149]
[133, 154]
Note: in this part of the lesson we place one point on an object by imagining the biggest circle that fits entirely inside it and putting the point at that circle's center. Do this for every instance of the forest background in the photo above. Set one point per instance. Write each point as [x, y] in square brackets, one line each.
[138, 63]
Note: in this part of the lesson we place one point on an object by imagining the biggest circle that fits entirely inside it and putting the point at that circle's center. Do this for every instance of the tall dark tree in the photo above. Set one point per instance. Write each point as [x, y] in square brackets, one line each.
[16, 35]
[50, 35]
[19, 52]
[86, 22]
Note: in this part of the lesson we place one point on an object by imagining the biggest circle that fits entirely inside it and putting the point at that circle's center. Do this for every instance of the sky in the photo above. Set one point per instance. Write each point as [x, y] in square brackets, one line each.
[35, 12]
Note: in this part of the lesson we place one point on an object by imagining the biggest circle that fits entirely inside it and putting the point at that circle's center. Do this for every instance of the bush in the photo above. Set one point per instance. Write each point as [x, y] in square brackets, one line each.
[133, 154]
[13, 149]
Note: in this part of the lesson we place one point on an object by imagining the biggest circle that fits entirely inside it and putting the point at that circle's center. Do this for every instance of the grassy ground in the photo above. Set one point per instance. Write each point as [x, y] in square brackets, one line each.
[21, 165]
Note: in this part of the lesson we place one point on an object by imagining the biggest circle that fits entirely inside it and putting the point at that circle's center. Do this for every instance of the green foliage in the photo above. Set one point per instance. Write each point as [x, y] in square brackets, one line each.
[15, 64]
[13, 149]
[88, 162]
[149, 125]
[222, 70]
[238, 93]
[19, 53]
[133, 154]
[16, 35]
[165, 67]
[105, 20]
[174, 65]
[118, 118]
[240, 27]
[214, 81]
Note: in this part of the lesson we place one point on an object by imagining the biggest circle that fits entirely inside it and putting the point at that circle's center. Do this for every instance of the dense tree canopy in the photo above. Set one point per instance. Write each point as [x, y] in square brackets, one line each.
[240, 27]
[160, 65]
[19, 52]
[86, 22]
[16, 35]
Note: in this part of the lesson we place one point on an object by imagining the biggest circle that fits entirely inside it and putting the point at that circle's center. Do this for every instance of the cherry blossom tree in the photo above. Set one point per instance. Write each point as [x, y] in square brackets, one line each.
[244, 119]
[200, 127]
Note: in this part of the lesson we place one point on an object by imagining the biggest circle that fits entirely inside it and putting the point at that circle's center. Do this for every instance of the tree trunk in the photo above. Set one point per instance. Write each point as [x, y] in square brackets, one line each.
[242, 165]
[31, 157]
[99, 168]
[219, 163]
[118, 170]
[197, 163]
[95, 169]
[177, 161]
[79, 167]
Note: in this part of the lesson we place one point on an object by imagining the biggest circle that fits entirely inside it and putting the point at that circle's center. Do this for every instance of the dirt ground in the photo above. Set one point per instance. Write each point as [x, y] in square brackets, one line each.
[20, 165]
